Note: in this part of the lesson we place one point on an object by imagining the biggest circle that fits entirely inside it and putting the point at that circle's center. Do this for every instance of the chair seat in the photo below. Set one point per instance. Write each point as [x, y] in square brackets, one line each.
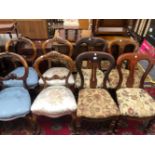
[114, 79]
[15, 102]
[135, 102]
[58, 75]
[96, 103]
[32, 79]
[87, 76]
[54, 101]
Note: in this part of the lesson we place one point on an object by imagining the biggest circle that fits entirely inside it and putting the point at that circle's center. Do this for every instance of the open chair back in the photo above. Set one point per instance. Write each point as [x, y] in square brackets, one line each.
[24, 47]
[15, 57]
[89, 44]
[118, 47]
[132, 59]
[54, 43]
[95, 58]
[54, 56]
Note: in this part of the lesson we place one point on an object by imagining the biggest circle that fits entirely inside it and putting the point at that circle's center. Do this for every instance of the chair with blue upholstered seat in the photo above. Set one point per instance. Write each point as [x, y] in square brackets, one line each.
[27, 49]
[15, 102]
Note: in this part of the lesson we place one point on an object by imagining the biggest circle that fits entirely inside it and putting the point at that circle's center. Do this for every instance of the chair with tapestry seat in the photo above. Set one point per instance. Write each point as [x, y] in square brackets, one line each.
[116, 48]
[135, 103]
[87, 45]
[27, 49]
[56, 100]
[15, 102]
[95, 103]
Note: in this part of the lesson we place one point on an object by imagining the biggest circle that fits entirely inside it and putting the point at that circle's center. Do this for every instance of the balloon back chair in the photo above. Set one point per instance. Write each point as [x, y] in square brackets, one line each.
[54, 100]
[15, 102]
[116, 48]
[26, 48]
[135, 103]
[95, 103]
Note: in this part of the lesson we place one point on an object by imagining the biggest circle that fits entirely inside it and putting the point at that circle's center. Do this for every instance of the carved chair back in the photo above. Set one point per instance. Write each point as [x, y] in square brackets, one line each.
[14, 57]
[54, 56]
[118, 47]
[24, 47]
[95, 57]
[55, 43]
[133, 59]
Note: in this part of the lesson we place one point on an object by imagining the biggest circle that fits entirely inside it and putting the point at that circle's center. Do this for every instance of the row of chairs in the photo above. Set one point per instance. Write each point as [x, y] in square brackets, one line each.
[56, 97]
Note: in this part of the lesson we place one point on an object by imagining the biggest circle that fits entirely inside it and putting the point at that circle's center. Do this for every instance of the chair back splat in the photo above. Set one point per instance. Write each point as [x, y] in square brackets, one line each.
[133, 59]
[54, 56]
[95, 57]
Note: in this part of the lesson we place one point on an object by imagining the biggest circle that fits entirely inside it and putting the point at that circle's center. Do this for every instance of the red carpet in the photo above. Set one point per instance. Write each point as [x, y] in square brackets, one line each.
[61, 126]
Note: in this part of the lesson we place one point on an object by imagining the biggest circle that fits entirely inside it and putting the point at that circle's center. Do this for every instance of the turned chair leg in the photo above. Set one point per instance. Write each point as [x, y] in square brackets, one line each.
[73, 122]
[78, 125]
[148, 125]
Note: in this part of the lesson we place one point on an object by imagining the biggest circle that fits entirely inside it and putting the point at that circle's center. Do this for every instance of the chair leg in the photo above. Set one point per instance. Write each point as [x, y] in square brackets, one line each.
[78, 125]
[73, 122]
[32, 120]
[148, 125]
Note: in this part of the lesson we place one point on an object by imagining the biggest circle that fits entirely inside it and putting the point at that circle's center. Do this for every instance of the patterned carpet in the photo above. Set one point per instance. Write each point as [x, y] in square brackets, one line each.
[61, 126]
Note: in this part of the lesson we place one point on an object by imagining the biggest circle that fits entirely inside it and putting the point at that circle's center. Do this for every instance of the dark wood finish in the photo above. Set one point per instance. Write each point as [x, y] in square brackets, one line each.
[57, 41]
[22, 46]
[95, 58]
[133, 59]
[120, 46]
[54, 56]
[17, 57]
[89, 44]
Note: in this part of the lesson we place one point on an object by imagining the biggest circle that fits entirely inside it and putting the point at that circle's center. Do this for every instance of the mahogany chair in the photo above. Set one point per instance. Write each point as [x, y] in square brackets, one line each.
[135, 103]
[15, 102]
[56, 100]
[116, 48]
[95, 103]
[55, 43]
[26, 48]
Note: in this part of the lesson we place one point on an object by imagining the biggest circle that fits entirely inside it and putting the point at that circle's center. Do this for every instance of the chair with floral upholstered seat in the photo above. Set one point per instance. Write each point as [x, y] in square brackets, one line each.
[26, 48]
[15, 102]
[116, 48]
[55, 100]
[133, 102]
[95, 103]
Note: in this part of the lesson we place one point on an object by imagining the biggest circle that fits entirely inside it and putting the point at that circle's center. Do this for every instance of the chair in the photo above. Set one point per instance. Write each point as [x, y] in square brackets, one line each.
[135, 103]
[27, 49]
[15, 102]
[54, 101]
[95, 103]
[87, 45]
[116, 48]
[56, 44]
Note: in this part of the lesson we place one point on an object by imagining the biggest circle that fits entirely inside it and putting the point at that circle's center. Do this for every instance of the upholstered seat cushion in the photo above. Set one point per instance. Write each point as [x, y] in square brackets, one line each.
[114, 78]
[14, 102]
[87, 76]
[96, 103]
[32, 79]
[135, 102]
[58, 75]
[54, 101]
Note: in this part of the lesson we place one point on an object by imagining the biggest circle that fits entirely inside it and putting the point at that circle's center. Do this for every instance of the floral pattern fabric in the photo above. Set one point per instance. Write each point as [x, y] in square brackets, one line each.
[135, 102]
[54, 101]
[114, 79]
[87, 76]
[96, 103]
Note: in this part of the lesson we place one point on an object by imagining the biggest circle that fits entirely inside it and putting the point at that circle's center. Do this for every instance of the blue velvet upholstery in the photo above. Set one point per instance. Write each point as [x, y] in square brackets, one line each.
[32, 79]
[15, 102]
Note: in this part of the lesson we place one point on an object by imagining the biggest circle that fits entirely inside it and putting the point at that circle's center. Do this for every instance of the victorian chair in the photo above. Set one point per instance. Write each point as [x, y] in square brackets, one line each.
[135, 103]
[57, 100]
[15, 102]
[116, 48]
[95, 103]
[89, 44]
[27, 49]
